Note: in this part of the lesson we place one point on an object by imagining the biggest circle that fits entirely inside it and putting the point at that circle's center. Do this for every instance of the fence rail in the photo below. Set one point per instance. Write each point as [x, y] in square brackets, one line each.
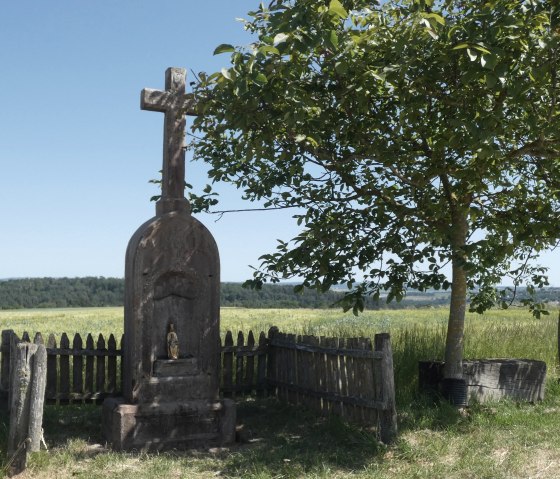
[343, 376]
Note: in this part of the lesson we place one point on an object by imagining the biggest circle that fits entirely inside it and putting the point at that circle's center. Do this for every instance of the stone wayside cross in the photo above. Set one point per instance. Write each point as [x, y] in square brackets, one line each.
[171, 349]
[175, 103]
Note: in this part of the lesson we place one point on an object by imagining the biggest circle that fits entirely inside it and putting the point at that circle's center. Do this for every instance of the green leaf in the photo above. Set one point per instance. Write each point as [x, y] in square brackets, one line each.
[472, 55]
[260, 79]
[460, 46]
[333, 39]
[491, 79]
[336, 8]
[480, 48]
[268, 49]
[380, 76]
[280, 38]
[489, 61]
[438, 18]
[226, 73]
[224, 48]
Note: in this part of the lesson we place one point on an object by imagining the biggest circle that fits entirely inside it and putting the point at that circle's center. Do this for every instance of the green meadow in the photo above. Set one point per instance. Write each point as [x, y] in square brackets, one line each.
[499, 440]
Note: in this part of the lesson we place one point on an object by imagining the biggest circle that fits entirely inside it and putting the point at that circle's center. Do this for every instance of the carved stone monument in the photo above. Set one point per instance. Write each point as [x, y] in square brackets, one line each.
[171, 352]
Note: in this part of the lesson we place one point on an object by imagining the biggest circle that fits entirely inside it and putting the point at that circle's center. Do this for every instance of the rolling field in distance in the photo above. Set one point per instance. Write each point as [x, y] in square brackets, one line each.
[416, 333]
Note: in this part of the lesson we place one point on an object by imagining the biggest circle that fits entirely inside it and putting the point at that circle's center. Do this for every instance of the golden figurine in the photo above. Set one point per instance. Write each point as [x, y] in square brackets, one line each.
[172, 343]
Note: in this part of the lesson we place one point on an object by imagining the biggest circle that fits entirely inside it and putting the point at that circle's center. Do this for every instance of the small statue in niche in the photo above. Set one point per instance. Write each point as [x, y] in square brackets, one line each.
[172, 343]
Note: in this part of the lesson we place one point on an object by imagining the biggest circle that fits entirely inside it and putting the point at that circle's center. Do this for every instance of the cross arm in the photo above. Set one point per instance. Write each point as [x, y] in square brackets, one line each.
[163, 101]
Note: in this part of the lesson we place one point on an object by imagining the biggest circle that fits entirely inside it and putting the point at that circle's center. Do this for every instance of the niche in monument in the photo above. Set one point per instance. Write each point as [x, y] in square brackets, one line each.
[171, 351]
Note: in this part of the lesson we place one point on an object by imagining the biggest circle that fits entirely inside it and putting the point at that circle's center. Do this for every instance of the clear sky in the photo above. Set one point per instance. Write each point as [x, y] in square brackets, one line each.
[76, 151]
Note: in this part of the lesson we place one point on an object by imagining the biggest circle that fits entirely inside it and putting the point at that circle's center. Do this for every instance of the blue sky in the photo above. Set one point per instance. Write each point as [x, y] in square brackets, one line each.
[76, 151]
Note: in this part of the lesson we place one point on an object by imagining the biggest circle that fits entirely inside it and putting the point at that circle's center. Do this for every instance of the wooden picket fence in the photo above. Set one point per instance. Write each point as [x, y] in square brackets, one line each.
[343, 376]
[346, 377]
[74, 373]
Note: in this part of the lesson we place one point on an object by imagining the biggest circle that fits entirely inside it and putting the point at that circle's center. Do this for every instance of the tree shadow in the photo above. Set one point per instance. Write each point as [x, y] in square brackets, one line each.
[275, 438]
[292, 440]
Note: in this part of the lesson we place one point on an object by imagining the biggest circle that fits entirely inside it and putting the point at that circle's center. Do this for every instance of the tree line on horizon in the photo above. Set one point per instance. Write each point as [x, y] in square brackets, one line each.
[99, 291]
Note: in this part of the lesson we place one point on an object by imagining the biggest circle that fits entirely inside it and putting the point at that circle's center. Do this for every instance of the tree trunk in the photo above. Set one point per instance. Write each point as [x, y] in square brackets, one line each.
[453, 368]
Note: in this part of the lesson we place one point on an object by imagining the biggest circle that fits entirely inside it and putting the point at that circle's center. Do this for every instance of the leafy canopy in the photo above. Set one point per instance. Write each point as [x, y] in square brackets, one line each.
[378, 122]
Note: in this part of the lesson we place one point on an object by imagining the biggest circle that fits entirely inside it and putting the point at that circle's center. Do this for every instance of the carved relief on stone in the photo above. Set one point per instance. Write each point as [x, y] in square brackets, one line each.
[184, 284]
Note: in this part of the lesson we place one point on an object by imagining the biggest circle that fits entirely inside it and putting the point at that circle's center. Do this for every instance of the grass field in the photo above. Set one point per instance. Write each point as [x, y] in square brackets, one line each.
[501, 440]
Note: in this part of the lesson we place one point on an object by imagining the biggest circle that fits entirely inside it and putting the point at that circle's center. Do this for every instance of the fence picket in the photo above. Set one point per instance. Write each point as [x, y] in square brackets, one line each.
[77, 366]
[261, 365]
[343, 386]
[351, 378]
[227, 370]
[64, 365]
[291, 369]
[272, 360]
[52, 373]
[363, 374]
[370, 416]
[88, 386]
[100, 367]
[112, 365]
[314, 374]
[239, 365]
[282, 370]
[335, 377]
[249, 365]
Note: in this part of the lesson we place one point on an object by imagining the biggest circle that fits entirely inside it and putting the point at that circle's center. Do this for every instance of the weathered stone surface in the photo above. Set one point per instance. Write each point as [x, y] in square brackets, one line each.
[172, 276]
[175, 103]
[169, 425]
[176, 367]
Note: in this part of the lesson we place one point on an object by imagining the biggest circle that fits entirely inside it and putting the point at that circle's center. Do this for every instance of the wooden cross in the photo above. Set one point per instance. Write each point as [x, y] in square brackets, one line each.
[175, 103]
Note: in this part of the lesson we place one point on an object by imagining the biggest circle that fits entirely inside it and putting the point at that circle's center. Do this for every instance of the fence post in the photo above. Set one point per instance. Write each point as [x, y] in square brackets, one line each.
[14, 341]
[386, 381]
[29, 374]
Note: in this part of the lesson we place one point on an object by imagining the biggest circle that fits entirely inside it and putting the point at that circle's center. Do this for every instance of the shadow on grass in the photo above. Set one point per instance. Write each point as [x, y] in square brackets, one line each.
[278, 440]
[74, 421]
[292, 441]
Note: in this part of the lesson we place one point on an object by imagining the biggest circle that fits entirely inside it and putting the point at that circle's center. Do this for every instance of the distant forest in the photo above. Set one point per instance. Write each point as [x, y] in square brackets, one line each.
[95, 292]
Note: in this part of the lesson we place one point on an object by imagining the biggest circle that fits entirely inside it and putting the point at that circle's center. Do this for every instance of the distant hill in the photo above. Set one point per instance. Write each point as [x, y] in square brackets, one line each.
[100, 291]
[61, 292]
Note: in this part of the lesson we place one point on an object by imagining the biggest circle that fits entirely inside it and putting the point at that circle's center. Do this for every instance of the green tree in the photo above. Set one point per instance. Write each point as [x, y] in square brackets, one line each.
[407, 135]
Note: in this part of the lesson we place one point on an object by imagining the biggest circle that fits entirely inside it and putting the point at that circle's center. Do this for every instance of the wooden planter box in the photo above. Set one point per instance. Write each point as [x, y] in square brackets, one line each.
[491, 379]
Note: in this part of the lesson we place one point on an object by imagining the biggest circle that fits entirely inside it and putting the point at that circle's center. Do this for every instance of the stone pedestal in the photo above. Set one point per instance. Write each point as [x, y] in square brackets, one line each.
[177, 425]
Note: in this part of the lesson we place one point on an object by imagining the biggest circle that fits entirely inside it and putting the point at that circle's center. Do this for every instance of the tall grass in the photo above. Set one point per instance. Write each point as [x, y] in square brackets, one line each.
[416, 334]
